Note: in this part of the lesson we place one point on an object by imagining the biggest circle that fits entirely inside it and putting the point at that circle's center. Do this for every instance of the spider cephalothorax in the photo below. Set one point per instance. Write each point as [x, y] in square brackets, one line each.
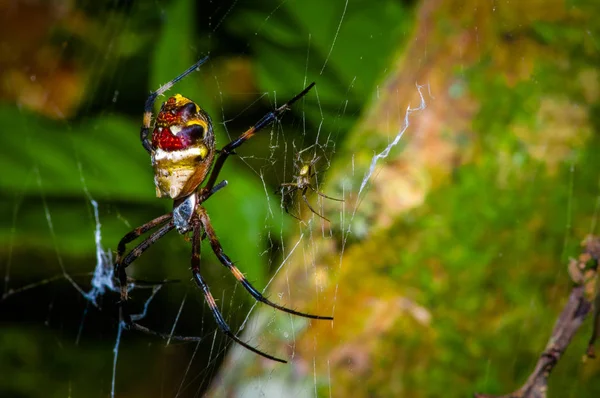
[183, 147]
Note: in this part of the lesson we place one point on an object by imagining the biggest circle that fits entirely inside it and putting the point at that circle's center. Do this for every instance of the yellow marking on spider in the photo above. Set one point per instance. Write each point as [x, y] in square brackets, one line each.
[203, 151]
[238, 275]
[304, 170]
[211, 300]
[147, 119]
[248, 134]
[180, 100]
[198, 122]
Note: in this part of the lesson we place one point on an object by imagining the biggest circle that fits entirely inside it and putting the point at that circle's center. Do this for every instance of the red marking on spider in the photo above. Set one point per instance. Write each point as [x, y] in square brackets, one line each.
[167, 119]
[169, 142]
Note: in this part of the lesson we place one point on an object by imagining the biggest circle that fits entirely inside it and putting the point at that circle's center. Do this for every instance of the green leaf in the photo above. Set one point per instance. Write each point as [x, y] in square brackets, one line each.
[344, 47]
[101, 155]
[176, 50]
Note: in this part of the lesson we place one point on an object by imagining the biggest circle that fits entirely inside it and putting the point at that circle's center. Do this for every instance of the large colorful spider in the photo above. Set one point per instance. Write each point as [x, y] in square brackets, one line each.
[182, 148]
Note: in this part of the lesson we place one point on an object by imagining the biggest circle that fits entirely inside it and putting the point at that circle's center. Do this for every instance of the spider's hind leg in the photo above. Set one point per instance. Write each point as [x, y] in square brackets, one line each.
[226, 261]
[310, 207]
[323, 195]
[210, 299]
[286, 190]
[287, 210]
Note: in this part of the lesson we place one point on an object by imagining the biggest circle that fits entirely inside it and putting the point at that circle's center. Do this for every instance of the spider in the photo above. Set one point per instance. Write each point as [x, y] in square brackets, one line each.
[306, 172]
[182, 149]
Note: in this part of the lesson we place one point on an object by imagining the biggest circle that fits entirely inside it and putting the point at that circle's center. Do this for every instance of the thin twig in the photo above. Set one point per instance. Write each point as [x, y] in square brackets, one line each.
[581, 300]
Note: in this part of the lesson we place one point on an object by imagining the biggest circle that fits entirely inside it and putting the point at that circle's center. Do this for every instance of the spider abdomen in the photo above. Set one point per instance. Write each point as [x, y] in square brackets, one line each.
[178, 173]
[163, 137]
[183, 147]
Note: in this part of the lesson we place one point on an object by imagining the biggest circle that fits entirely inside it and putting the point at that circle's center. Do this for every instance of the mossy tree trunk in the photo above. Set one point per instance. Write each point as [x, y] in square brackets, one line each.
[446, 273]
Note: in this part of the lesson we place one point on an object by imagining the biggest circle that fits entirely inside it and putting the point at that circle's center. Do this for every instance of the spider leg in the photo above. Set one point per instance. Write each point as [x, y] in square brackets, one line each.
[310, 207]
[146, 283]
[136, 233]
[323, 195]
[226, 261]
[287, 210]
[204, 195]
[210, 299]
[315, 160]
[125, 318]
[261, 124]
[285, 189]
[150, 103]
[137, 251]
[291, 188]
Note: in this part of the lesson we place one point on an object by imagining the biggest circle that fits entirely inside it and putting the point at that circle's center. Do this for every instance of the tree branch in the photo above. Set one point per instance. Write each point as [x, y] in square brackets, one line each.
[583, 271]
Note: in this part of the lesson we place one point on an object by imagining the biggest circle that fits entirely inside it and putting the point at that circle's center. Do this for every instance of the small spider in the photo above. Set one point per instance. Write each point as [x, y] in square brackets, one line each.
[182, 148]
[306, 172]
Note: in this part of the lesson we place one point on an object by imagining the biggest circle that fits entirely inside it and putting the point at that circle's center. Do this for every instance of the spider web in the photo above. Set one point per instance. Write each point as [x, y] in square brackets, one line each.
[76, 303]
[290, 145]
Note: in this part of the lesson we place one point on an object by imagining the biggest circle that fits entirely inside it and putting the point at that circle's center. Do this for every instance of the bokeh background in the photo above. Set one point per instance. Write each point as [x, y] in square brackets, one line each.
[445, 273]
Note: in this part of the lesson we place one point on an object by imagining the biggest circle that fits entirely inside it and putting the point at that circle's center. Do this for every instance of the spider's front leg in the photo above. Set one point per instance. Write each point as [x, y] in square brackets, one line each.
[147, 120]
[266, 121]
[123, 262]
